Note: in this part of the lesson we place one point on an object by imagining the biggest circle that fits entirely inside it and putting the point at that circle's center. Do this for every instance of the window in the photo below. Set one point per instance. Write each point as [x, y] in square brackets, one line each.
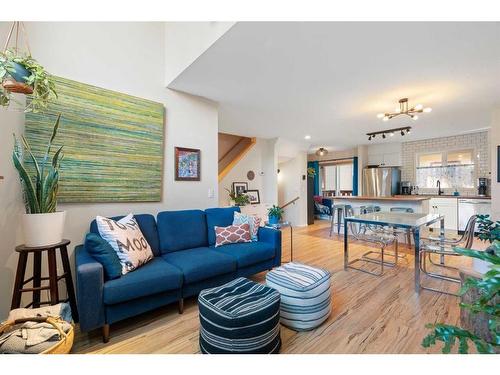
[336, 177]
[454, 169]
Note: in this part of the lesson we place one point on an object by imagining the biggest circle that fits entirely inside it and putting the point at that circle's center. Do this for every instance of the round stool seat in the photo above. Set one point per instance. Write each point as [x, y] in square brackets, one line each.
[240, 317]
[305, 294]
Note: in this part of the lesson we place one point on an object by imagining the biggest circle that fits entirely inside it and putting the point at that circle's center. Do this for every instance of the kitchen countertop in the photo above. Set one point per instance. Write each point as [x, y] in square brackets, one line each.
[404, 198]
[447, 196]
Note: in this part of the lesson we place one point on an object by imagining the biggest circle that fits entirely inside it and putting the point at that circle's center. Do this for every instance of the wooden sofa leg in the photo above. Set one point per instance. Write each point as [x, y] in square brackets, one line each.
[181, 306]
[105, 333]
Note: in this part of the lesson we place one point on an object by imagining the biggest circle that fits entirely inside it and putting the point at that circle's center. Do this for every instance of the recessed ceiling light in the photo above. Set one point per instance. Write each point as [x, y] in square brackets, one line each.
[307, 137]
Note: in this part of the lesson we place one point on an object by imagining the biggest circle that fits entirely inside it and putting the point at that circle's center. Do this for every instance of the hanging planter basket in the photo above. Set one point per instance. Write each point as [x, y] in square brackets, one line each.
[21, 74]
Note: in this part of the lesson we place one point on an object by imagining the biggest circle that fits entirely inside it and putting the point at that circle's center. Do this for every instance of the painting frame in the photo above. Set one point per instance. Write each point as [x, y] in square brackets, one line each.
[180, 175]
[254, 196]
[239, 187]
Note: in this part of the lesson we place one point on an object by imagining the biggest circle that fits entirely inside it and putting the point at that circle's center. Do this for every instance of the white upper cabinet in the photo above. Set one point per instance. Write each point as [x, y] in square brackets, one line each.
[386, 154]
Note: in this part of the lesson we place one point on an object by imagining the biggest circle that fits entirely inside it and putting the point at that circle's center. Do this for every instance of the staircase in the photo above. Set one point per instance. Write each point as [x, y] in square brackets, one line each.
[231, 149]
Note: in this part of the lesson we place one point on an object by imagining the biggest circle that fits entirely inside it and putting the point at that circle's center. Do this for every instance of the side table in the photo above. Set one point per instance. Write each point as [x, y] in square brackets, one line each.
[36, 279]
[280, 226]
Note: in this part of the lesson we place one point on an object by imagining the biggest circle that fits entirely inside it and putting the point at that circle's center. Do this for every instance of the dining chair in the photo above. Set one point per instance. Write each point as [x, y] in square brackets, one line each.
[381, 238]
[407, 232]
[443, 246]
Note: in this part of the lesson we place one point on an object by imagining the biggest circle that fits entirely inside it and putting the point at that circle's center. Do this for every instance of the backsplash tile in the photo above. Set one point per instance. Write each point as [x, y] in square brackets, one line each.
[477, 141]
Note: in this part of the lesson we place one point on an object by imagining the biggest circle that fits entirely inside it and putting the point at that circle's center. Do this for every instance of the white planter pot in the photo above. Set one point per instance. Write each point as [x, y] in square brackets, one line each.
[43, 229]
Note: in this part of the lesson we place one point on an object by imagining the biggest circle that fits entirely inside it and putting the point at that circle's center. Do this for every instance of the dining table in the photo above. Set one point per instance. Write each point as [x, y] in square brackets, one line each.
[413, 221]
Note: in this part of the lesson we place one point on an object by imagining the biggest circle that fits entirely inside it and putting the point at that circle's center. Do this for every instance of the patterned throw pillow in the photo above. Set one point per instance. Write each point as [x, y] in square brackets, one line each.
[126, 238]
[232, 234]
[251, 220]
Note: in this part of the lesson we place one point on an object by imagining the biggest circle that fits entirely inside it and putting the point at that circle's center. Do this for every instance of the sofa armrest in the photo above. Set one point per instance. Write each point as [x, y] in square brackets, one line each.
[272, 236]
[89, 290]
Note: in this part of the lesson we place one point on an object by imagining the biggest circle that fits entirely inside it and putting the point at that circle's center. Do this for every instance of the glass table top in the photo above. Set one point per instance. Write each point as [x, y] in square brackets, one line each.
[396, 218]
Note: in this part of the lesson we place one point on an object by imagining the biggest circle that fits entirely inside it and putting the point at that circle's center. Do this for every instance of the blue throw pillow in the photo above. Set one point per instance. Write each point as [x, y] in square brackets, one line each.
[102, 251]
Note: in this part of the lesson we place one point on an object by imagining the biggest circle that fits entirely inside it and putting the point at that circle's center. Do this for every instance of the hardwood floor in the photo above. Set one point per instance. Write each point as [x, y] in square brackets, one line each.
[370, 314]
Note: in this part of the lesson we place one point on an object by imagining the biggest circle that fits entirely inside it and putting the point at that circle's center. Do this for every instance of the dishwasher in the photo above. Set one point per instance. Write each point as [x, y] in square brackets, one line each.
[469, 207]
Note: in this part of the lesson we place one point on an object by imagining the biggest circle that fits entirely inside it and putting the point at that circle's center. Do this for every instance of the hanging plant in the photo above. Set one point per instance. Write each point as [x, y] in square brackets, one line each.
[21, 73]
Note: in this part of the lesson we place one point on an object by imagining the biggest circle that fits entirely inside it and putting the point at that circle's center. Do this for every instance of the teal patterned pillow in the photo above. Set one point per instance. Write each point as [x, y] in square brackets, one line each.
[251, 220]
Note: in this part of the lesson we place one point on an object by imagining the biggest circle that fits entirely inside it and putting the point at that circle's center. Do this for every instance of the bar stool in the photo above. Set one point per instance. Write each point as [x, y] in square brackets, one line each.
[53, 278]
[341, 213]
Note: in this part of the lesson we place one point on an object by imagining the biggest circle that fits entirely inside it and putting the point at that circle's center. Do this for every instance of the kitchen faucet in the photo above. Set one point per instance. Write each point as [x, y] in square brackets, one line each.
[440, 192]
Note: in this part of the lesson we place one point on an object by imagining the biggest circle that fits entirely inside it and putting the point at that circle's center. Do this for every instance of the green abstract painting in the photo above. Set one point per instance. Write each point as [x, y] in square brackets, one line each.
[113, 143]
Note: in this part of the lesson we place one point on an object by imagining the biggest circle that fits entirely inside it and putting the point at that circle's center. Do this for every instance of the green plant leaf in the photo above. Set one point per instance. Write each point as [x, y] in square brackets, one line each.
[33, 206]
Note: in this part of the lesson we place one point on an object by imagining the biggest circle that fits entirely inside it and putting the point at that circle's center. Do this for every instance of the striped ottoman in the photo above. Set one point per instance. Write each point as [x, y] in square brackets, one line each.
[240, 317]
[305, 295]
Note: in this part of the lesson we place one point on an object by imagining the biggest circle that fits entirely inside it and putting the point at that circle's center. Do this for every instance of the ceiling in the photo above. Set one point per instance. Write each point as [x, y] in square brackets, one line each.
[330, 79]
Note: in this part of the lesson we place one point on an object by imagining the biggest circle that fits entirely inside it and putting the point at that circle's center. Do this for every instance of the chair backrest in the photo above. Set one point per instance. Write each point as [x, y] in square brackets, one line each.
[468, 236]
[402, 209]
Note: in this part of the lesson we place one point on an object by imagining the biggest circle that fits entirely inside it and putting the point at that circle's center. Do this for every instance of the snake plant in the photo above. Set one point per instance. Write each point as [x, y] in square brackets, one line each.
[39, 188]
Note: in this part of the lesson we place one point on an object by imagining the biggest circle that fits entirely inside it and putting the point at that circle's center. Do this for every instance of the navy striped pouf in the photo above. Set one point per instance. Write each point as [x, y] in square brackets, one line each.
[240, 317]
[305, 294]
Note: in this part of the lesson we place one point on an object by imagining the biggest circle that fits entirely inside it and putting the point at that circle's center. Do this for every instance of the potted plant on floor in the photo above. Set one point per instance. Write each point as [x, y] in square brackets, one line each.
[21, 73]
[42, 224]
[480, 306]
[274, 214]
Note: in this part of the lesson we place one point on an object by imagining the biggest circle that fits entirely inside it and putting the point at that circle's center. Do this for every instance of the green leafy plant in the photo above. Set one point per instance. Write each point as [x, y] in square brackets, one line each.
[44, 88]
[40, 188]
[311, 172]
[239, 199]
[487, 302]
[275, 211]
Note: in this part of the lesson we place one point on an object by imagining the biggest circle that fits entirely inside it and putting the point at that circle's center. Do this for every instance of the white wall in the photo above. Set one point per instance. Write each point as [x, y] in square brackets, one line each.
[291, 185]
[495, 186]
[129, 58]
[186, 41]
[260, 159]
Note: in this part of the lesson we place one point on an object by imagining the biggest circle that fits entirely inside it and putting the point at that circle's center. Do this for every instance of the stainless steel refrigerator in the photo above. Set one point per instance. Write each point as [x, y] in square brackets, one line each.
[381, 181]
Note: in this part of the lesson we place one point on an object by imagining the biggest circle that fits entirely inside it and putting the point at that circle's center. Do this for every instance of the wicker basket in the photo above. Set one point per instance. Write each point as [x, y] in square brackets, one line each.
[62, 346]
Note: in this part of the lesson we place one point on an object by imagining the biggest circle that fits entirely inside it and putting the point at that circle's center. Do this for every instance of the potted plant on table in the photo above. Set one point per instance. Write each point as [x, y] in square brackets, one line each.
[42, 224]
[21, 73]
[480, 301]
[239, 199]
[274, 214]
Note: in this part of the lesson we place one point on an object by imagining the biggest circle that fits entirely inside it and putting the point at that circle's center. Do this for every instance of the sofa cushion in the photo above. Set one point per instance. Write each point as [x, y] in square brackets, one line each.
[232, 234]
[179, 230]
[126, 238]
[147, 224]
[247, 254]
[201, 263]
[219, 217]
[102, 251]
[156, 276]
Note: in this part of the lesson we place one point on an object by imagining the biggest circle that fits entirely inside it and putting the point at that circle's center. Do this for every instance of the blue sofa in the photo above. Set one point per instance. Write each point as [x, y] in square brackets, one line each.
[185, 262]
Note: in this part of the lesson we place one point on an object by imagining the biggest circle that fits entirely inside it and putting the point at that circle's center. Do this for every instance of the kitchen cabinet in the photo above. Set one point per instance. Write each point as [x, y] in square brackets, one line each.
[448, 207]
[392, 159]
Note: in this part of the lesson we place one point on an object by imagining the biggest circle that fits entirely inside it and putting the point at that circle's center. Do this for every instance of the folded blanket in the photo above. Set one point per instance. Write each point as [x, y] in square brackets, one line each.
[61, 309]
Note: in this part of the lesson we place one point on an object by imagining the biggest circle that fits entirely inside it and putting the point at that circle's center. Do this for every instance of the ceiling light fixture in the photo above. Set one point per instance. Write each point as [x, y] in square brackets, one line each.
[307, 137]
[404, 109]
[391, 132]
[322, 151]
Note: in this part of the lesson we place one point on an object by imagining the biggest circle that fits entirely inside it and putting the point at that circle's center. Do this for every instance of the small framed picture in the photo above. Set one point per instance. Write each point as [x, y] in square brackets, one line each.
[187, 164]
[253, 195]
[240, 187]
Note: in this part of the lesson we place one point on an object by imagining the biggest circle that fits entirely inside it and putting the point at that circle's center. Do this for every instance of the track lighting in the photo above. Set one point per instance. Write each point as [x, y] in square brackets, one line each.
[391, 132]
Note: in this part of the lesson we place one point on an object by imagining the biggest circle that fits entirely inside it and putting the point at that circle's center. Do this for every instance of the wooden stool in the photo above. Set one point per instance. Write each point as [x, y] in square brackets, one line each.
[37, 278]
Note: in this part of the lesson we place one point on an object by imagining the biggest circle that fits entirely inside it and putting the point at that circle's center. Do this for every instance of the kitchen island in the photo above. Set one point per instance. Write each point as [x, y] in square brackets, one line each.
[419, 204]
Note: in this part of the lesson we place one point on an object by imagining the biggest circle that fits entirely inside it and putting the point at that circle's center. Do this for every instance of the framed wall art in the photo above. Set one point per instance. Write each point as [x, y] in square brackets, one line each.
[187, 164]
